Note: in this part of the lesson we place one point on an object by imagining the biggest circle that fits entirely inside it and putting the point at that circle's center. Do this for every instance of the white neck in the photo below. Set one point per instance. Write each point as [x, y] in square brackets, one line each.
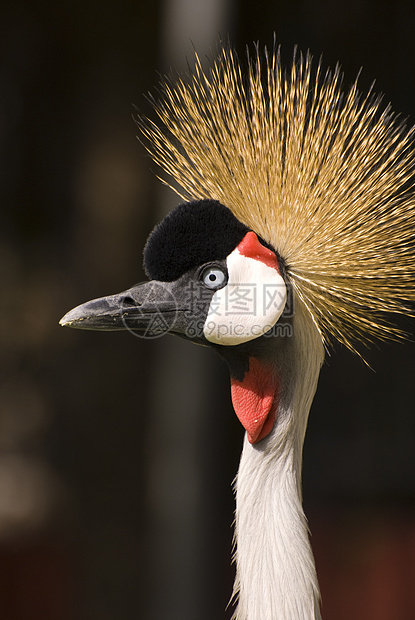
[276, 577]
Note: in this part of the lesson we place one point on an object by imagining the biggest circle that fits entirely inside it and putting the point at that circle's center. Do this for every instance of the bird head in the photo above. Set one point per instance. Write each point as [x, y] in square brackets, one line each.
[282, 164]
[215, 282]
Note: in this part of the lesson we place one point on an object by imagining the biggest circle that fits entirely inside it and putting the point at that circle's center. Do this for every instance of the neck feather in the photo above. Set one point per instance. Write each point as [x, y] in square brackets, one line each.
[276, 577]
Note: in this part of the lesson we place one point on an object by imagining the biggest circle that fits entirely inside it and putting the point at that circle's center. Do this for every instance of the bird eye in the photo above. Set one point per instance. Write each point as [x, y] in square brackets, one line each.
[214, 277]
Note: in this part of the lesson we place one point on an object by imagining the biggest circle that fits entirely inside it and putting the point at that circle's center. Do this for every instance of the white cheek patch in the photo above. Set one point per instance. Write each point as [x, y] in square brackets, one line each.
[249, 305]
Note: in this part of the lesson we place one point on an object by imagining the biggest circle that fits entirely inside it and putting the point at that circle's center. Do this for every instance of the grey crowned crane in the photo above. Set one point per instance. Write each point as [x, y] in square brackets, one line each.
[296, 229]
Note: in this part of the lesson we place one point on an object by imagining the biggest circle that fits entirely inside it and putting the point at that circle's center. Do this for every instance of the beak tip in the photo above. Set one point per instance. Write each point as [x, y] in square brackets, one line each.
[64, 322]
[97, 314]
[71, 319]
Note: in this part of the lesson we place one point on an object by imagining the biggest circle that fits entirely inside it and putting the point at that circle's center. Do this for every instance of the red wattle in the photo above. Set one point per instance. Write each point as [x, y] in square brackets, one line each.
[255, 399]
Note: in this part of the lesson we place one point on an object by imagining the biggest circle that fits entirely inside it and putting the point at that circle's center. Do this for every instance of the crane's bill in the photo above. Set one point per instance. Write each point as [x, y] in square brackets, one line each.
[133, 309]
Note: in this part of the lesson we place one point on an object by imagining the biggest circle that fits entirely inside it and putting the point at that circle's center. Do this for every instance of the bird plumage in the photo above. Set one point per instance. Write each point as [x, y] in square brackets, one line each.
[323, 175]
[276, 576]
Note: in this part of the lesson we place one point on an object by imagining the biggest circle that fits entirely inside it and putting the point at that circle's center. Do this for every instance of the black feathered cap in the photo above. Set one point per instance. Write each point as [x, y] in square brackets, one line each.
[192, 234]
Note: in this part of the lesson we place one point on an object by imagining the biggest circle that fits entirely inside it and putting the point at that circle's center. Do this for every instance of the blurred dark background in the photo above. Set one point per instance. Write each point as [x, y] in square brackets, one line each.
[117, 454]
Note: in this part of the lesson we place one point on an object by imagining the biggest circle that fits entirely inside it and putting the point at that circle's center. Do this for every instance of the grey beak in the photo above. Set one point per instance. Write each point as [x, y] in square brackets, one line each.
[149, 307]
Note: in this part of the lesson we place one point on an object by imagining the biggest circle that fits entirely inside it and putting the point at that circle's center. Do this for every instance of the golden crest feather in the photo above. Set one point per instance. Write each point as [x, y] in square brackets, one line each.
[325, 176]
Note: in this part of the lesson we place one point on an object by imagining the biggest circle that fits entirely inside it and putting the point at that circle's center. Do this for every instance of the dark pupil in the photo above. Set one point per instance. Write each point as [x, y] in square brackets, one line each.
[212, 277]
